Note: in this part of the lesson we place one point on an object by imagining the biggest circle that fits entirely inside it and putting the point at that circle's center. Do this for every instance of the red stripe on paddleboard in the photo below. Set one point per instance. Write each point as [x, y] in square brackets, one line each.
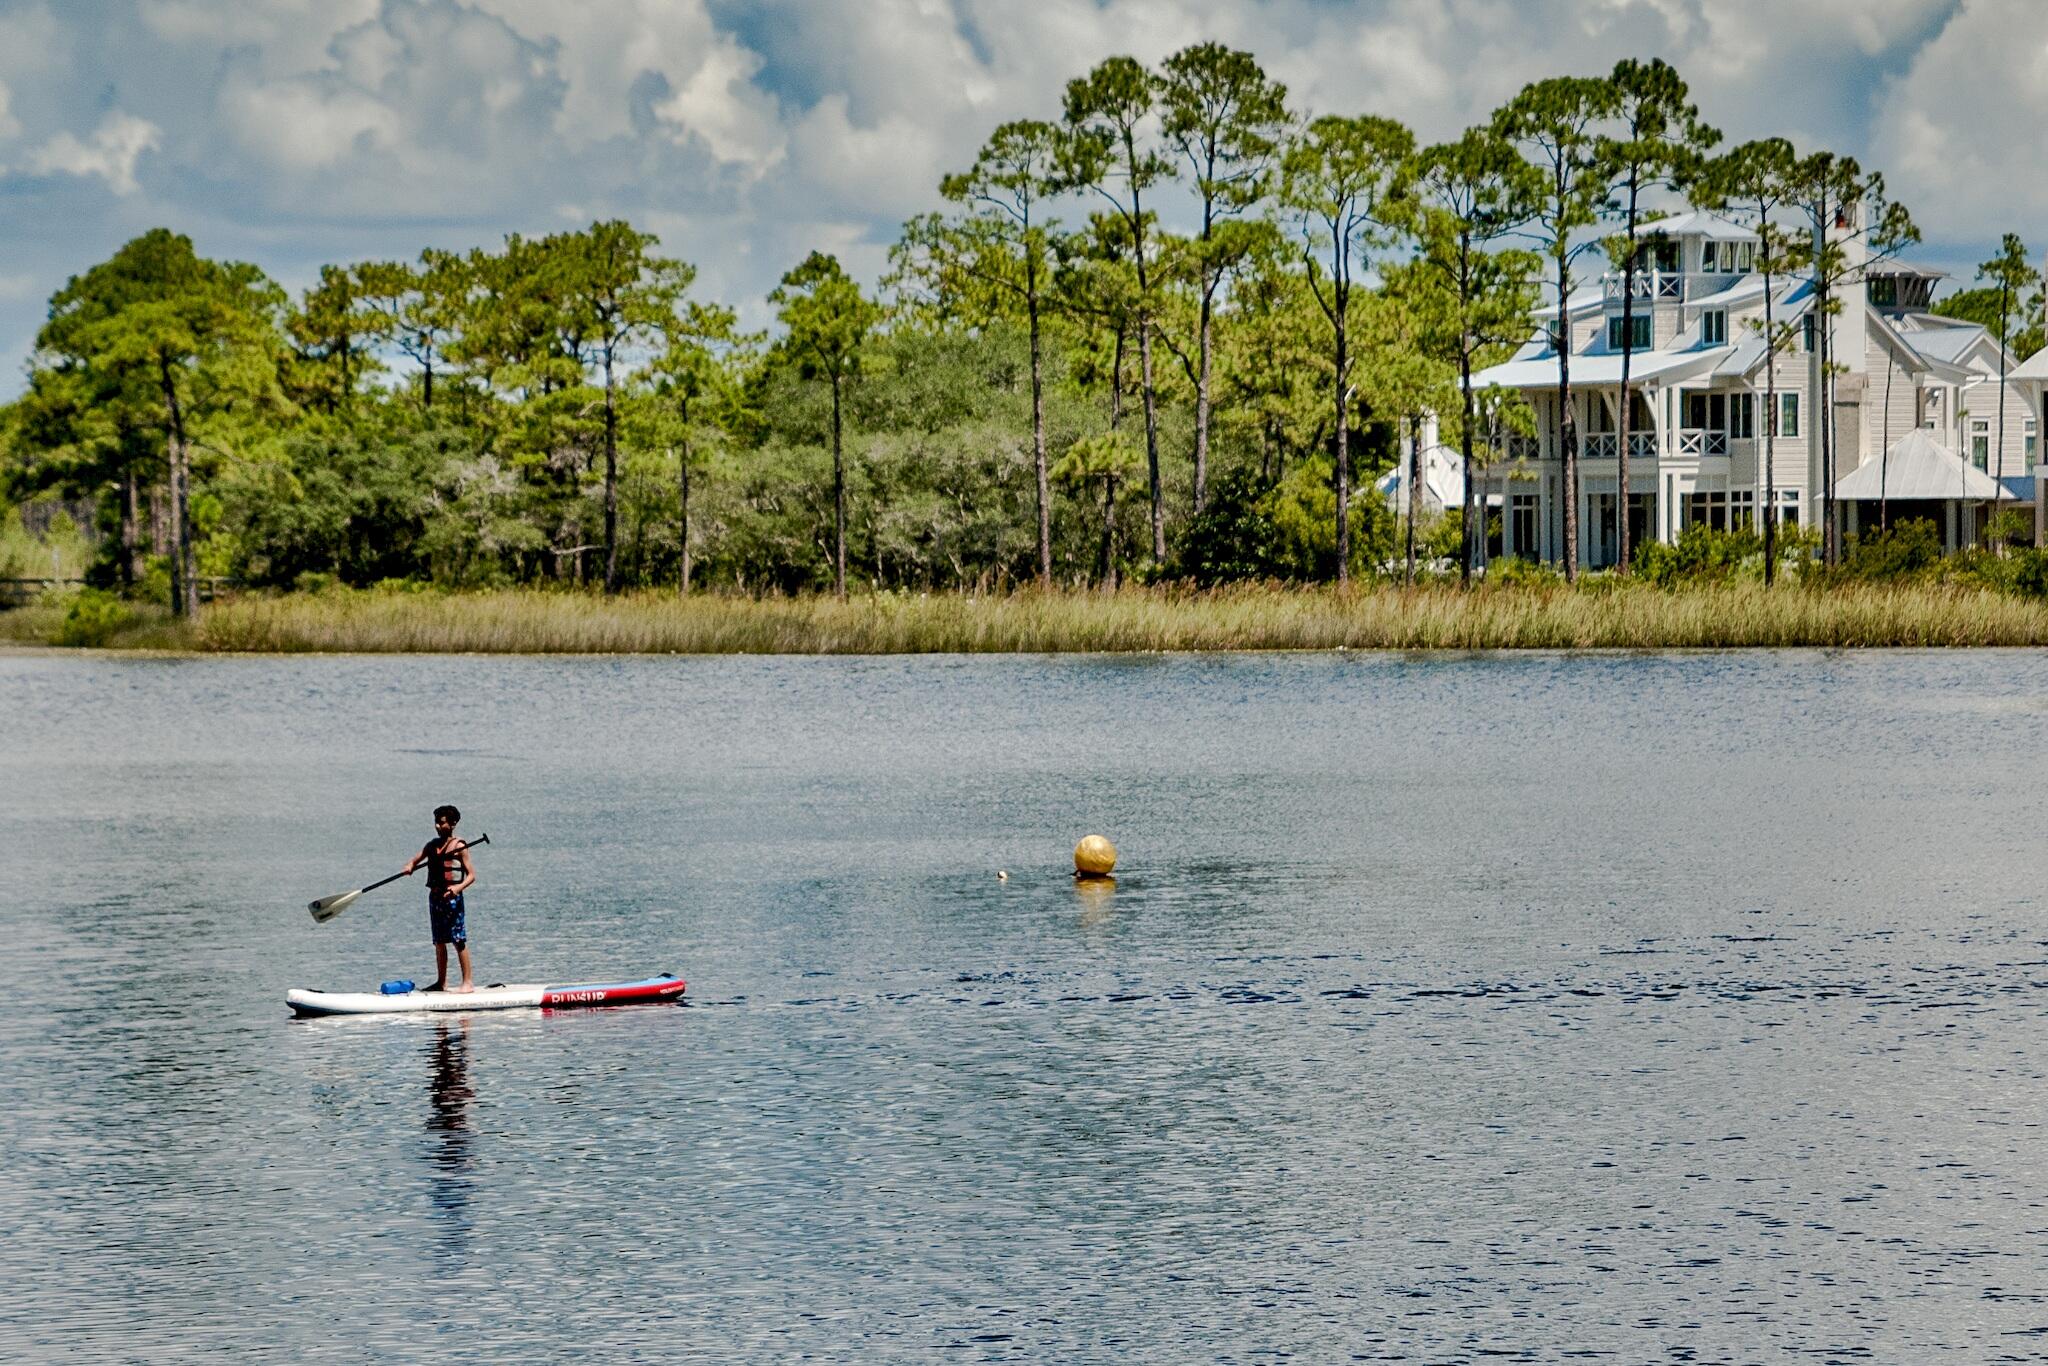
[616, 993]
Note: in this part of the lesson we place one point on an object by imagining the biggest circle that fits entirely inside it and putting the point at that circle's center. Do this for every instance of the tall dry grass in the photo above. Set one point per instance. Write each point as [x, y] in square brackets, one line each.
[1606, 615]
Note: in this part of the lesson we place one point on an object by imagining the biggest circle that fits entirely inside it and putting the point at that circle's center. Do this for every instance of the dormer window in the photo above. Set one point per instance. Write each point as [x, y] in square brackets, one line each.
[1709, 261]
[1638, 334]
[1747, 260]
[1714, 327]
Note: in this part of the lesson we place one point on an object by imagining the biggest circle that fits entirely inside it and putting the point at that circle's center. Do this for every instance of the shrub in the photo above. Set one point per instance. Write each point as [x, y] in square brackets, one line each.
[94, 618]
[1902, 551]
[1701, 555]
[1516, 572]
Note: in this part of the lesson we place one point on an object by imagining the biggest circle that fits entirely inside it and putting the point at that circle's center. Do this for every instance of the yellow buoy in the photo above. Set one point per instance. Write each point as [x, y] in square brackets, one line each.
[1094, 856]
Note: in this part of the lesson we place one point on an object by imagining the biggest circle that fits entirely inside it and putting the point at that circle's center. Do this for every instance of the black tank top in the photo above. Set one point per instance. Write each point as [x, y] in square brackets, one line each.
[443, 870]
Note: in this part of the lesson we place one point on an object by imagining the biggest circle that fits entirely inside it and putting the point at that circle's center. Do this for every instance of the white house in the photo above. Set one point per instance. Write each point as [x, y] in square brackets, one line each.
[1700, 399]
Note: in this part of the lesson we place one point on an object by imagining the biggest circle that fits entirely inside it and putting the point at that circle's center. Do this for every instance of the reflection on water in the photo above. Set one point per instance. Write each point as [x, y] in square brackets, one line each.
[450, 1141]
[1631, 1008]
[1097, 896]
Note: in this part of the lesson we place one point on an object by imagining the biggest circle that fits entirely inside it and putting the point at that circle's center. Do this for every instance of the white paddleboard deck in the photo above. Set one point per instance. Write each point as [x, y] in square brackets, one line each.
[518, 996]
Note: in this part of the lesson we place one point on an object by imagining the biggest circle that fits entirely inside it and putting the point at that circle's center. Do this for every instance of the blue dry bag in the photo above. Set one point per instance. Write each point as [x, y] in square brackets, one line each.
[395, 988]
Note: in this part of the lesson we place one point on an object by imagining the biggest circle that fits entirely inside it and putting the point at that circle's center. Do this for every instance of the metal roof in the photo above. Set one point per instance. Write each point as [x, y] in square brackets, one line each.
[1918, 466]
[1696, 222]
[1535, 373]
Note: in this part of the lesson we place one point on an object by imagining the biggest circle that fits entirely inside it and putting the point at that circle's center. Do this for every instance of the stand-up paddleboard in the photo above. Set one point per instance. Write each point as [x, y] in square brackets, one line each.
[666, 987]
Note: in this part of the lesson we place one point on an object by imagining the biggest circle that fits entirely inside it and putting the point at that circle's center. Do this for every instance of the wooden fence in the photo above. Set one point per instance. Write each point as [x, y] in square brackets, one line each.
[20, 592]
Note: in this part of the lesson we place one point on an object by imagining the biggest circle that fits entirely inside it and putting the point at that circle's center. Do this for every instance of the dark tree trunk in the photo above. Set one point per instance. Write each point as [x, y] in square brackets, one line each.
[1628, 352]
[1202, 409]
[1414, 489]
[684, 507]
[1105, 572]
[838, 500]
[1343, 358]
[1466, 546]
[1770, 508]
[1145, 363]
[1038, 438]
[611, 479]
[1567, 427]
[184, 564]
[131, 551]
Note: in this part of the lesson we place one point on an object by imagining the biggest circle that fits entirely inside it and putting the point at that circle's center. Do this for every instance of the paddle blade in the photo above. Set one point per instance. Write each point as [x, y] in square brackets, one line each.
[328, 907]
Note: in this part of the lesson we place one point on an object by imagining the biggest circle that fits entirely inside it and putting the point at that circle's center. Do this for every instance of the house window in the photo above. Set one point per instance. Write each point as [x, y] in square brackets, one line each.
[2033, 441]
[1742, 416]
[1714, 327]
[1638, 332]
[1522, 526]
[1788, 507]
[1980, 442]
[1788, 414]
[1806, 333]
[1741, 510]
[1748, 257]
[1884, 291]
[1709, 258]
[1706, 509]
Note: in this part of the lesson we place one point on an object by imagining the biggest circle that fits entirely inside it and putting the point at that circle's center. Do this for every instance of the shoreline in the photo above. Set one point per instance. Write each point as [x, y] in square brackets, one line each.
[1600, 615]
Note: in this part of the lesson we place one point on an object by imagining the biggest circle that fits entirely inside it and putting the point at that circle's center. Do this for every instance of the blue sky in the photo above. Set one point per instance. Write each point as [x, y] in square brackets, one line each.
[748, 132]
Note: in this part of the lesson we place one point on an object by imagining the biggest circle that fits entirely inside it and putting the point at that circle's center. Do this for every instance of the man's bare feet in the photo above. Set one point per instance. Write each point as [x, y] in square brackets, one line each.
[466, 986]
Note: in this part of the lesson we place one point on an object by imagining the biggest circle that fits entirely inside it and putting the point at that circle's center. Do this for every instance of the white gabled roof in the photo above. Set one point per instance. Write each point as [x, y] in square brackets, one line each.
[1697, 222]
[2034, 367]
[1920, 467]
[1539, 372]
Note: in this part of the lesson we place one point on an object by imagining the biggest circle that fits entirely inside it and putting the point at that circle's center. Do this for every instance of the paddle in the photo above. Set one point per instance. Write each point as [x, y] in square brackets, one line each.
[328, 907]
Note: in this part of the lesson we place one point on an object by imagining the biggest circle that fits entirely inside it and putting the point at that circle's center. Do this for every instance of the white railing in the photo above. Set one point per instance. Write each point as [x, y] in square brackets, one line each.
[1699, 441]
[1663, 286]
[1521, 447]
[1607, 445]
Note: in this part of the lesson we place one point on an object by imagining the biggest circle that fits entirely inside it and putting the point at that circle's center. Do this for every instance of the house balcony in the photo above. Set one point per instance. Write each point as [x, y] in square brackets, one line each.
[1520, 447]
[1607, 445]
[1663, 286]
[1698, 441]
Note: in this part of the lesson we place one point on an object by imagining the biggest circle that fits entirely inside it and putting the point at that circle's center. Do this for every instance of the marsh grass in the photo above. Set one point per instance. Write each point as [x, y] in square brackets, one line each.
[1602, 614]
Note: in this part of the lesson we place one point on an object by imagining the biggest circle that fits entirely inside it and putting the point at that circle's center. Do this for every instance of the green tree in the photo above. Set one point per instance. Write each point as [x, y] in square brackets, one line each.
[195, 336]
[1471, 195]
[1755, 181]
[620, 295]
[1000, 252]
[1852, 226]
[1225, 117]
[333, 331]
[1341, 180]
[2010, 274]
[828, 321]
[420, 308]
[1107, 149]
[1106, 460]
[1557, 124]
[1658, 143]
[698, 369]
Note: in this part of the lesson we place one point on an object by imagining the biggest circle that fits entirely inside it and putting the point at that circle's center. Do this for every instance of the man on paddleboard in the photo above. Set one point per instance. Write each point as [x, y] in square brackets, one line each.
[449, 874]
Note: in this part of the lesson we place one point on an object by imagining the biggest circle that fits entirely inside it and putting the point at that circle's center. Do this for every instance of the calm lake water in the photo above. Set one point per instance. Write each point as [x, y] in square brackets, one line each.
[1632, 1008]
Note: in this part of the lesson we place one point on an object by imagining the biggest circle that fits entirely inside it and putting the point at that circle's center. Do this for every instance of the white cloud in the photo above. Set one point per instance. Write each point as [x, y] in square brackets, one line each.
[1961, 131]
[718, 104]
[751, 131]
[110, 153]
